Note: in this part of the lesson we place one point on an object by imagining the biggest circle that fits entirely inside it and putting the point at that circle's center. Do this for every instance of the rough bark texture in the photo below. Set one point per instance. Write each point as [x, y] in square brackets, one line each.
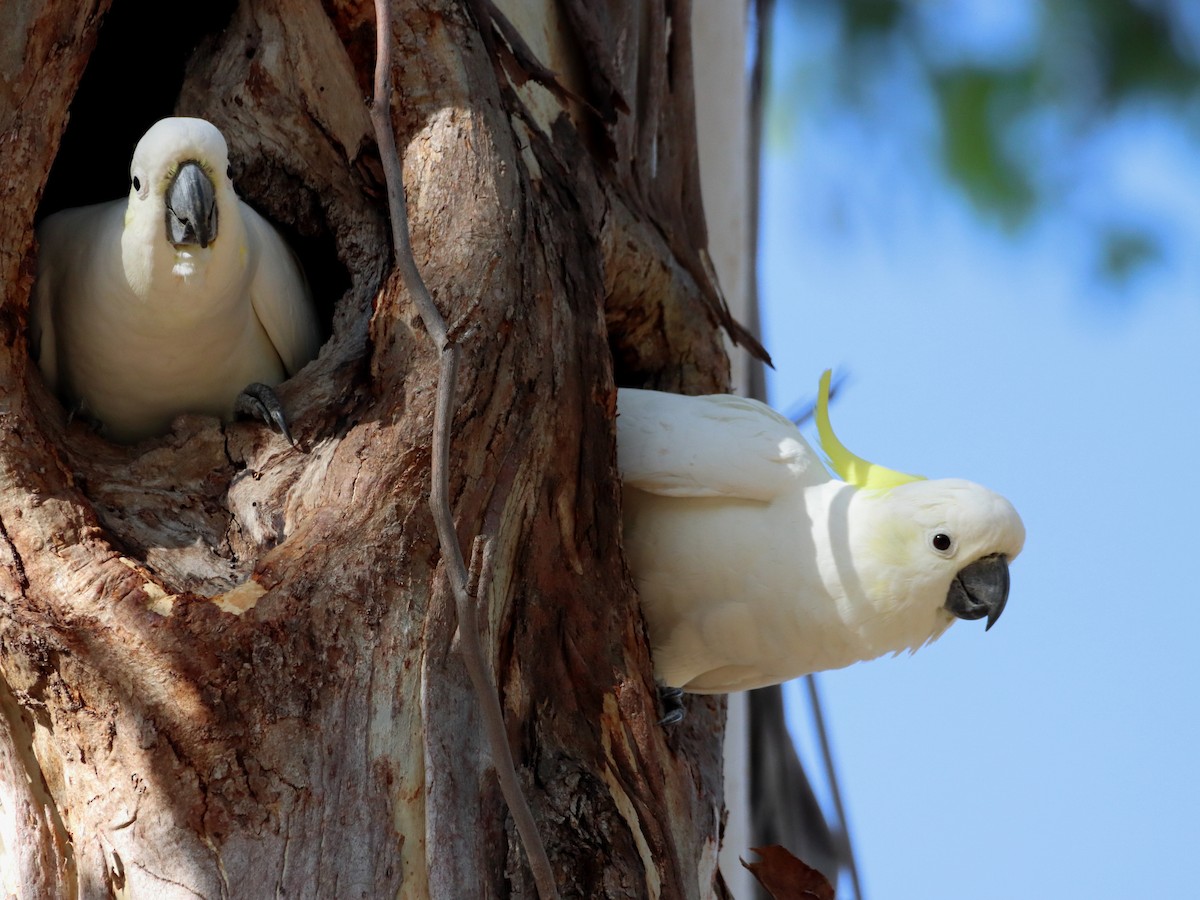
[227, 668]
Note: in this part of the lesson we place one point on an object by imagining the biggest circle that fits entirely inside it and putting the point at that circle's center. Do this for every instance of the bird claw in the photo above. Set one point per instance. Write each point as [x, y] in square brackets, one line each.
[78, 411]
[259, 401]
[671, 700]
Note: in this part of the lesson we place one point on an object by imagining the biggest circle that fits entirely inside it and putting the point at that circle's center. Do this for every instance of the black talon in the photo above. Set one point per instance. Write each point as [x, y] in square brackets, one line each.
[259, 401]
[671, 699]
[80, 412]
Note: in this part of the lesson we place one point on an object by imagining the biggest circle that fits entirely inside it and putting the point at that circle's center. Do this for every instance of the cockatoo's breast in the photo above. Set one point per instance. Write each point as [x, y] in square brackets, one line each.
[738, 593]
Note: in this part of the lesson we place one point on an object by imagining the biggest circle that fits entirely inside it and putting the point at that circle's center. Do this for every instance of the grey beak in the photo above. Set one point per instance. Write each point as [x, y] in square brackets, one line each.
[191, 207]
[980, 589]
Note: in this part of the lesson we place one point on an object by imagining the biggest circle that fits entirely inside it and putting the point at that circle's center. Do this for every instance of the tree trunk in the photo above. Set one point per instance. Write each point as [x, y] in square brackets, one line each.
[227, 668]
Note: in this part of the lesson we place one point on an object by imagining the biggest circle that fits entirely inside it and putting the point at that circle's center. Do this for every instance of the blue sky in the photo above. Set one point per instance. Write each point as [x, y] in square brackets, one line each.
[1053, 756]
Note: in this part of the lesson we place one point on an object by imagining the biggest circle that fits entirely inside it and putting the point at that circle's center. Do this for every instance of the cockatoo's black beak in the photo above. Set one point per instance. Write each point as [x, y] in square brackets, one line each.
[980, 589]
[191, 207]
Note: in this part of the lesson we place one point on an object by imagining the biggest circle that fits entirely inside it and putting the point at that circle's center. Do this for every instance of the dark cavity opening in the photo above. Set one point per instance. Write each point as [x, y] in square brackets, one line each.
[132, 80]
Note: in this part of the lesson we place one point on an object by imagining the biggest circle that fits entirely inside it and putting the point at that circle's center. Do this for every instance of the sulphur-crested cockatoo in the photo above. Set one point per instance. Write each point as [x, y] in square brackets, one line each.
[755, 566]
[176, 299]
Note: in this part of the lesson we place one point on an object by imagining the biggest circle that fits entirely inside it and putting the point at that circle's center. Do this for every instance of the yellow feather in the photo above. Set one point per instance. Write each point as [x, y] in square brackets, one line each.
[850, 468]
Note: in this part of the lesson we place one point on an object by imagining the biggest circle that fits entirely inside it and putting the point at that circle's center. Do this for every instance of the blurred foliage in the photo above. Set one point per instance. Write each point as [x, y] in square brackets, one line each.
[973, 149]
[1076, 63]
[1137, 46]
[1124, 252]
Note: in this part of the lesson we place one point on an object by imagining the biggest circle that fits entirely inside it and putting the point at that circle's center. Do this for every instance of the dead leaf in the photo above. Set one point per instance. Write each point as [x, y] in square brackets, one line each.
[785, 877]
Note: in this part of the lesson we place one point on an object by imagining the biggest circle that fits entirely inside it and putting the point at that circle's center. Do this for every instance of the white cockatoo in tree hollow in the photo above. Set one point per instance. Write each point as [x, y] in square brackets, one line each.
[755, 565]
[179, 298]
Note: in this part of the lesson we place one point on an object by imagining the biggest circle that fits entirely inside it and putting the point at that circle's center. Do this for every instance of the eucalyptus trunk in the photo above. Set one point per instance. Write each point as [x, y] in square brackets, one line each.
[228, 668]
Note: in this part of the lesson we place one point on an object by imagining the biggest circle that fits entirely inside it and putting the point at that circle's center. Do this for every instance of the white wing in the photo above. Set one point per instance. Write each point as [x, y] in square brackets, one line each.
[79, 269]
[280, 295]
[719, 445]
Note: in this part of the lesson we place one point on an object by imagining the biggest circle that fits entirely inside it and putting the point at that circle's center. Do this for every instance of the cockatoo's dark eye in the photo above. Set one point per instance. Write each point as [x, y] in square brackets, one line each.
[942, 542]
[137, 183]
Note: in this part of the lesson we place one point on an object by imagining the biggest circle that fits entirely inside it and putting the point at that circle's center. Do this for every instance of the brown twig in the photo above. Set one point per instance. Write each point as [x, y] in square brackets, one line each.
[439, 494]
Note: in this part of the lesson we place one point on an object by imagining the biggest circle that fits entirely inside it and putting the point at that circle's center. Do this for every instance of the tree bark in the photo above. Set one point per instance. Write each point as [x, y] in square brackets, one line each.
[227, 668]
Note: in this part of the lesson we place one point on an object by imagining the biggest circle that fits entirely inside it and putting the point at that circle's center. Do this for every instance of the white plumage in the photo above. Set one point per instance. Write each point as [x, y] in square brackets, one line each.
[755, 565]
[172, 300]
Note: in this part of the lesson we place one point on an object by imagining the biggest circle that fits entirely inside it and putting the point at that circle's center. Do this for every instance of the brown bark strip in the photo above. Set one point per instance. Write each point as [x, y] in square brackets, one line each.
[519, 61]
[655, 146]
[439, 500]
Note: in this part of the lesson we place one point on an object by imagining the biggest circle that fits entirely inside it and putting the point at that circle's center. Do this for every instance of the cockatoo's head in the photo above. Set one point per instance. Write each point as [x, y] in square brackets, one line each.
[932, 549]
[179, 183]
[942, 545]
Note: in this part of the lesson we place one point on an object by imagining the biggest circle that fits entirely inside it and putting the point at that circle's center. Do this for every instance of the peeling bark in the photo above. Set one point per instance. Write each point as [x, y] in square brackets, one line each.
[227, 668]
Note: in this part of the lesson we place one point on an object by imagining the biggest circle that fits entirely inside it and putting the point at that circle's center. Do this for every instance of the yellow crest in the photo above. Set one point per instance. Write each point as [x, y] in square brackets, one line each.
[850, 468]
